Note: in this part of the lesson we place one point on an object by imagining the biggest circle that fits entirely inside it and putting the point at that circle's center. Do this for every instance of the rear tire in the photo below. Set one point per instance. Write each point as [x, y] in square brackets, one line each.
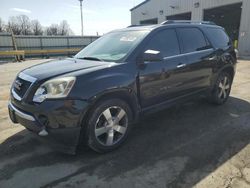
[108, 125]
[222, 89]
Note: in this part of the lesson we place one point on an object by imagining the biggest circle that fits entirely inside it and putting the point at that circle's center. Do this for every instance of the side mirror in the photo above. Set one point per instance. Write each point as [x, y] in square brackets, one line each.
[152, 56]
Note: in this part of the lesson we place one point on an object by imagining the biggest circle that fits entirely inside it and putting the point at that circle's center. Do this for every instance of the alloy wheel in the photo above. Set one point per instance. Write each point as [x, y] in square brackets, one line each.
[224, 88]
[111, 126]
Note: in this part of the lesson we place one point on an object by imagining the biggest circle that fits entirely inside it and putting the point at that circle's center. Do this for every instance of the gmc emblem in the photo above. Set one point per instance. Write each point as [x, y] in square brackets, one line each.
[18, 85]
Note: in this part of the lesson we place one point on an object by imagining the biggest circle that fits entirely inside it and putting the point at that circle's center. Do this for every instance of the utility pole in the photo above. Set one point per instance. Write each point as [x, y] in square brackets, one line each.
[81, 15]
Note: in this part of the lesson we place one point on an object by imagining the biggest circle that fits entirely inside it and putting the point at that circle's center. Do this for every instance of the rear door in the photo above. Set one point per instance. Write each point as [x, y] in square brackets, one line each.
[195, 73]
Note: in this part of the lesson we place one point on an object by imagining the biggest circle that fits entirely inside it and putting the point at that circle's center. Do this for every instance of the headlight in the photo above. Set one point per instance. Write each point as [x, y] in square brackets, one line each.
[54, 89]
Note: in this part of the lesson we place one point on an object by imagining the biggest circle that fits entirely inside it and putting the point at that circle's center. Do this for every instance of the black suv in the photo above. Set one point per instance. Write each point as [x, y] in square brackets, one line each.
[95, 97]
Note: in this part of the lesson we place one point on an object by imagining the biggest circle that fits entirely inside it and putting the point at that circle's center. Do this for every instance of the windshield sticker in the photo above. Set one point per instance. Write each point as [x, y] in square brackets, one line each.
[128, 38]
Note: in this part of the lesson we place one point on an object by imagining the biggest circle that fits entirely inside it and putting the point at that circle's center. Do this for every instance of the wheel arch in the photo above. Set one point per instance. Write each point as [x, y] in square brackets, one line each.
[229, 69]
[125, 94]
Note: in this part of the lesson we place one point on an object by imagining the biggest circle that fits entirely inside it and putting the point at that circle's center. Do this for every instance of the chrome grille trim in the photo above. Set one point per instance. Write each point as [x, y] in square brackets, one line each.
[15, 95]
[25, 77]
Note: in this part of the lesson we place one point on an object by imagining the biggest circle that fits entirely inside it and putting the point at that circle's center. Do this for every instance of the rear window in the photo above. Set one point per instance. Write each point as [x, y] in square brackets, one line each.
[218, 37]
[192, 40]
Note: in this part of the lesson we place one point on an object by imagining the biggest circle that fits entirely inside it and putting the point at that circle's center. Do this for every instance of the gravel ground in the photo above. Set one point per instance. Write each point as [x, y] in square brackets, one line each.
[192, 145]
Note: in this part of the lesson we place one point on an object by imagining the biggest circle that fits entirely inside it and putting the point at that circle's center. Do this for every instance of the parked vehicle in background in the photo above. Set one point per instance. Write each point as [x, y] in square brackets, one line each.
[95, 97]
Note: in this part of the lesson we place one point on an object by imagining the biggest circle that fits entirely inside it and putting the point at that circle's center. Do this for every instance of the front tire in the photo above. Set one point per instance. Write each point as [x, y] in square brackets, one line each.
[108, 125]
[222, 89]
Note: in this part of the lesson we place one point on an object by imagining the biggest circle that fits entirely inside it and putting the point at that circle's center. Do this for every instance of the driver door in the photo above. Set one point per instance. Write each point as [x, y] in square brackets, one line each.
[152, 75]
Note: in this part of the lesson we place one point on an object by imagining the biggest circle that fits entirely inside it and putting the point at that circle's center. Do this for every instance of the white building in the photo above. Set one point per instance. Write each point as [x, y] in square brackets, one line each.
[233, 15]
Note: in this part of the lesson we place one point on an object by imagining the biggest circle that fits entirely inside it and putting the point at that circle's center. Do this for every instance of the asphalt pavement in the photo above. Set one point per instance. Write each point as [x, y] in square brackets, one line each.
[191, 145]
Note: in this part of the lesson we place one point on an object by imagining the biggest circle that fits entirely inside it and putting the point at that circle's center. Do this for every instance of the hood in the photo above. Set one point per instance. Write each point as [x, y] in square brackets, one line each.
[60, 67]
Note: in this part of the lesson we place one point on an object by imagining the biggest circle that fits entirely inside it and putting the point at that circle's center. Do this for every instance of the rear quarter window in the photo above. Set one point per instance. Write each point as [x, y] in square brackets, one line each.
[218, 37]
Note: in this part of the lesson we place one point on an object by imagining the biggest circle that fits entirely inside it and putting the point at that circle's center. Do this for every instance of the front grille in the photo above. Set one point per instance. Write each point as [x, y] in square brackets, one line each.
[21, 86]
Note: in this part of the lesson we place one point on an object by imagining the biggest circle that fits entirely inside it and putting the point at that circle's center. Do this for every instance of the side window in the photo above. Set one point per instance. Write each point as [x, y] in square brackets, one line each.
[192, 40]
[165, 42]
[218, 37]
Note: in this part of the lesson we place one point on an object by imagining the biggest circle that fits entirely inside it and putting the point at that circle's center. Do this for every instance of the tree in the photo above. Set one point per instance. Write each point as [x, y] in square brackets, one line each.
[24, 24]
[1, 25]
[14, 26]
[53, 29]
[64, 28]
[20, 25]
[36, 27]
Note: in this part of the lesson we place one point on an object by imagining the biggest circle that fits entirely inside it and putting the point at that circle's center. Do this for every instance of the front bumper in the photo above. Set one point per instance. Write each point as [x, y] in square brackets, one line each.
[61, 118]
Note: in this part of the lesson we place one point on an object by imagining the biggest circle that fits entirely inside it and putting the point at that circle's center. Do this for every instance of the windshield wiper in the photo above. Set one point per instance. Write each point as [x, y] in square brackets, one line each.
[90, 58]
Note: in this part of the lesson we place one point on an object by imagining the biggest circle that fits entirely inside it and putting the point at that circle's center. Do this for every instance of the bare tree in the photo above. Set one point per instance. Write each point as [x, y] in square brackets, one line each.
[36, 27]
[64, 28]
[24, 24]
[1, 25]
[14, 26]
[20, 25]
[53, 29]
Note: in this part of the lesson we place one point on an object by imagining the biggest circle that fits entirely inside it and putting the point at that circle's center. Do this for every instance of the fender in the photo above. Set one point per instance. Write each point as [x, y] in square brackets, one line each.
[226, 62]
[115, 81]
[126, 94]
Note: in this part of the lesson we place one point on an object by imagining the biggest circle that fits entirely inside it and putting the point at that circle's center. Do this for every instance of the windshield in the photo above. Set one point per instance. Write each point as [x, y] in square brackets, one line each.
[113, 46]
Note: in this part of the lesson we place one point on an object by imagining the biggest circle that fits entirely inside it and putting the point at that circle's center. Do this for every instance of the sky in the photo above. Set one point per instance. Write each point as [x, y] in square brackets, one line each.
[99, 16]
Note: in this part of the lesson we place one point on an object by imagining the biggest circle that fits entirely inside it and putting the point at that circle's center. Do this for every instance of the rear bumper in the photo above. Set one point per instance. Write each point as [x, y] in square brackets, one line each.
[63, 127]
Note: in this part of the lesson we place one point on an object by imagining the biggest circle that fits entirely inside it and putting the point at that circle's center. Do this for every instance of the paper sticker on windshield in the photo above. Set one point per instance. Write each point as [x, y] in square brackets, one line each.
[128, 38]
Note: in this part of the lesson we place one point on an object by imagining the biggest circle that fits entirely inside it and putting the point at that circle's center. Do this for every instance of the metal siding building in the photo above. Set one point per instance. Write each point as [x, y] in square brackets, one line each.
[157, 11]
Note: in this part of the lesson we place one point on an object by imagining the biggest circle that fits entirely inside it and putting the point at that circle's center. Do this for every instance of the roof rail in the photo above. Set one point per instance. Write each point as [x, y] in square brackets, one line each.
[140, 25]
[134, 26]
[187, 21]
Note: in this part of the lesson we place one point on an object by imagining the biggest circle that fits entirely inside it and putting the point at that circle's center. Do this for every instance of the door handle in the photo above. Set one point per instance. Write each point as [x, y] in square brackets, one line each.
[212, 58]
[181, 65]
